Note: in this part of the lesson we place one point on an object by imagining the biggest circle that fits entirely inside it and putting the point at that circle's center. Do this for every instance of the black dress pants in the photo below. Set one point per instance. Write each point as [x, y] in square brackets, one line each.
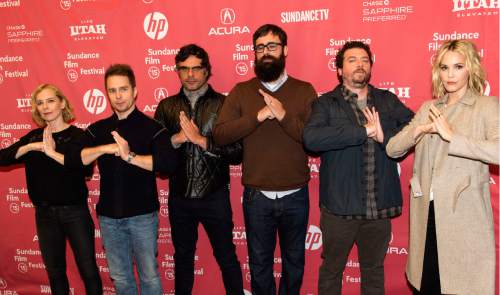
[430, 273]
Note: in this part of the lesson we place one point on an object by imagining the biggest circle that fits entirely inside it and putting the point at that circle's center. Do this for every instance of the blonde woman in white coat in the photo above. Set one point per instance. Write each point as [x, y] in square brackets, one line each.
[456, 137]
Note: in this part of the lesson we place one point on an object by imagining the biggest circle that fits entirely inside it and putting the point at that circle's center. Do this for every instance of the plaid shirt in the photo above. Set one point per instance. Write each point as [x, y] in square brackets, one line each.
[370, 174]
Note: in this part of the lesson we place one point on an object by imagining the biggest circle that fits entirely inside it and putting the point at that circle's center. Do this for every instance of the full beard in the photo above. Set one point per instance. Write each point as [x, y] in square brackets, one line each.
[269, 71]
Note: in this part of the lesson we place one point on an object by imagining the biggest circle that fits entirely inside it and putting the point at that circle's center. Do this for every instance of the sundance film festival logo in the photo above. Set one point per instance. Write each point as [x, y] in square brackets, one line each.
[313, 238]
[154, 72]
[164, 211]
[5, 143]
[72, 75]
[169, 274]
[331, 64]
[10, 3]
[241, 68]
[65, 4]
[227, 19]
[160, 93]
[22, 267]
[156, 25]
[14, 208]
[94, 101]
[88, 31]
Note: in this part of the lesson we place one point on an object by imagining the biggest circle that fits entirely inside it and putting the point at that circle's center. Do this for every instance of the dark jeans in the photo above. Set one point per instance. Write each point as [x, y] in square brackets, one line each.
[55, 224]
[264, 219]
[430, 273]
[339, 235]
[215, 214]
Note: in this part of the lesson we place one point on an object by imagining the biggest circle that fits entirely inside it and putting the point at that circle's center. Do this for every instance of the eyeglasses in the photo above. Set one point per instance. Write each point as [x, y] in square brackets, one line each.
[271, 46]
[185, 70]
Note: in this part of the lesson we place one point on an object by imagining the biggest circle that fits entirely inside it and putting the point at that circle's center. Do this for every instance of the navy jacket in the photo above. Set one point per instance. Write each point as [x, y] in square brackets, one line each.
[333, 131]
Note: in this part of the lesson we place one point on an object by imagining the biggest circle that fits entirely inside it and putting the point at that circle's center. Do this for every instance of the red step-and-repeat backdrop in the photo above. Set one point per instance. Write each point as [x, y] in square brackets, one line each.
[71, 42]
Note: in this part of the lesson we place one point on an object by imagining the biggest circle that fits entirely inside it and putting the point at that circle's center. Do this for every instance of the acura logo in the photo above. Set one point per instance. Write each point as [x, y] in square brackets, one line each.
[160, 93]
[227, 16]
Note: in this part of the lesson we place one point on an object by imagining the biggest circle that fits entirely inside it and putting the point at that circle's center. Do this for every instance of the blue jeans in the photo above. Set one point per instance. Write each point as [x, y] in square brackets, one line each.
[129, 240]
[265, 219]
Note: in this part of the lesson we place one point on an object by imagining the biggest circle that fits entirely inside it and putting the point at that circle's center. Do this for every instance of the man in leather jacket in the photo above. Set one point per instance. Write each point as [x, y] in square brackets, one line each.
[199, 189]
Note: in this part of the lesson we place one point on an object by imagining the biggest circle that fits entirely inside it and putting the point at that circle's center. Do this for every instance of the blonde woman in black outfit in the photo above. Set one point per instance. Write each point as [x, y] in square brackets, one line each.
[58, 192]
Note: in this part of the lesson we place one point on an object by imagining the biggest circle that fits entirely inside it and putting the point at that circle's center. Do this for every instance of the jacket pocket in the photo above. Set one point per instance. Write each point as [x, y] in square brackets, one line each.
[462, 185]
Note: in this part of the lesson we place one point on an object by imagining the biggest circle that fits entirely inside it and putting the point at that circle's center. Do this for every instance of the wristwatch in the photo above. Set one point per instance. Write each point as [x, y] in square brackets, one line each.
[131, 155]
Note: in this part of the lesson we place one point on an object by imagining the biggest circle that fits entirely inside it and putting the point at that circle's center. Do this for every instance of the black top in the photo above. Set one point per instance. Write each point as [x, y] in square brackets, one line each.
[128, 190]
[50, 183]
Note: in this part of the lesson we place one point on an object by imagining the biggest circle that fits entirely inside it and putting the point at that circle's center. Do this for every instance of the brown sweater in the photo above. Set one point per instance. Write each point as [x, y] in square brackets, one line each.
[273, 156]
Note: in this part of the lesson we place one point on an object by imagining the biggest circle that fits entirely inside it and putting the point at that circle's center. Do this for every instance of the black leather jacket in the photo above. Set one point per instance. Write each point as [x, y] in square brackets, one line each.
[200, 172]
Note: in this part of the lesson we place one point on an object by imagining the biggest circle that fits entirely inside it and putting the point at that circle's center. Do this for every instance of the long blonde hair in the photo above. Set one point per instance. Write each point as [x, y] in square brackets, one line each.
[67, 112]
[476, 72]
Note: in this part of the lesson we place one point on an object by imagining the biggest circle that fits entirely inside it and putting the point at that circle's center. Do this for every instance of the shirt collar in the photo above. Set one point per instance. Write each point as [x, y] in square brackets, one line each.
[276, 84]
[348, 94]
[132, 115]
[468, 98]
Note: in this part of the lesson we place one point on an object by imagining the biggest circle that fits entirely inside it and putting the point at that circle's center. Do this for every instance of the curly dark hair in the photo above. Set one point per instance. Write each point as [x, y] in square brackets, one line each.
[194, 50]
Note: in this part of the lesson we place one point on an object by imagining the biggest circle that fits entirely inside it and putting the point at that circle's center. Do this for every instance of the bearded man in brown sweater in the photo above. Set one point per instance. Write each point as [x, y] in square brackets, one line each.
[268, 114]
